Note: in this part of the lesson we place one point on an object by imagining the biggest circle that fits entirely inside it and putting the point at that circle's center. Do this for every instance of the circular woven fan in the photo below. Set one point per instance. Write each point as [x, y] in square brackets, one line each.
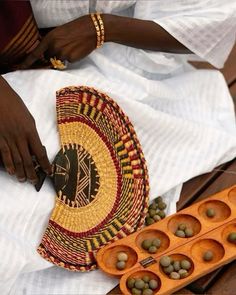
[100, 177]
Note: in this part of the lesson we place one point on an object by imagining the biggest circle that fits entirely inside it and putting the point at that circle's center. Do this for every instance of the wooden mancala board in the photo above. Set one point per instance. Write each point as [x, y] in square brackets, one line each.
[210, 233]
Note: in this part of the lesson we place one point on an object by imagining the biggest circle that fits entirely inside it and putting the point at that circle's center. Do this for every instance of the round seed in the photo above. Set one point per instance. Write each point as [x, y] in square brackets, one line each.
[232, 237]
[169, 269]
[182, 226]
[176, 265]
[185, 264]
[139, 284]
[130, 283]
[175, 275]
[152, 212]
[208, 255]
[146, 244]
[120, 265]
[122, 256]
[161, 213]
[153, 206]
[147, 292]
[210, 212]
[183, 273]
[149, 221]
[165, 261]
[146, 279]
[147, 215]
[153, 284]
[152, 249]
[161, 205]
[158, 200]
[136, 291]
[156, 217]
[156, 242]
[146, 286]
[188, 232]
[180, 233]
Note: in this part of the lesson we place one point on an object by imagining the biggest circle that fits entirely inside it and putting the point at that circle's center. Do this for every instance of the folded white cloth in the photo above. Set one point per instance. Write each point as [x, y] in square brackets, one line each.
[186, 127]
[184, 120]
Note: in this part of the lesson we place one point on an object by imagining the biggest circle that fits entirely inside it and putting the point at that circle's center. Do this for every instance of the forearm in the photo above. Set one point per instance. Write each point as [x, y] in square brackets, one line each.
[140, 34]
[4, 86]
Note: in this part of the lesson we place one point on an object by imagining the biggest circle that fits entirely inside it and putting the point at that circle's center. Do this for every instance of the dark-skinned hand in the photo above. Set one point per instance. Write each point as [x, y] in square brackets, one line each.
[19, 140]
[71, 41]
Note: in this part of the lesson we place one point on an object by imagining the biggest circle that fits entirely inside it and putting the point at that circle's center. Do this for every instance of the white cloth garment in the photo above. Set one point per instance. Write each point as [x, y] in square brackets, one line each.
[184, 120]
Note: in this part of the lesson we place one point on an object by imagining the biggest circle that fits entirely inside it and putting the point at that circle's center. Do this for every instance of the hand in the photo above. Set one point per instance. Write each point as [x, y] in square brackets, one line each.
[19, 140]
[72, 42]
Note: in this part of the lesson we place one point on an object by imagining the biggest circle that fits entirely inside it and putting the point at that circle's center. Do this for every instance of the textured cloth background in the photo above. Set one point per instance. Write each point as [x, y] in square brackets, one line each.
[183, 135]
[184, 120]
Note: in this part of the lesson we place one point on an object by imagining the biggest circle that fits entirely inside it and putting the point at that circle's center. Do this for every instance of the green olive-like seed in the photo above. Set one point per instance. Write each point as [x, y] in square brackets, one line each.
[152, 249]
[182, 226]
[175, 275]
[232, 237]
[161, 205]
[146, 278]
[130, 283]
[149, 221]
[153, 284]
[120, 265]
[136, 291]
[146, 286]
[180, 233]
[159, 199]
[156, 217]
[153, 206]
[165, 261]
[183, 273]
[152, 212]
[147, 292]
[208, 255]
[188, 232]
[139, 284]
[169, 269]
[176, 265]
[146, 244]
[185, 264]
[210, 212]
[122, 256]
[156, 242]
[161, 213]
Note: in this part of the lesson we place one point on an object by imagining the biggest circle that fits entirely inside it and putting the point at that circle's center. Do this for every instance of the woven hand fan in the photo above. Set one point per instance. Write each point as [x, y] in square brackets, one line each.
[100, 177]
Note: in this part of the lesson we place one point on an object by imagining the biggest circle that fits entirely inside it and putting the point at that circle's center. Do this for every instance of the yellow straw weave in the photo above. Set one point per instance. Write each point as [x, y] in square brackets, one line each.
[100, 178]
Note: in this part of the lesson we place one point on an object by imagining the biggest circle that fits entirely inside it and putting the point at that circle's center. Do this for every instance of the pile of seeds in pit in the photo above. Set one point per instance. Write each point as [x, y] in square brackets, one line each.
[142, 286]
[232, 237]
[151, 245]
[175, 269]
[122, 258]
[184, 231]
[156, 211]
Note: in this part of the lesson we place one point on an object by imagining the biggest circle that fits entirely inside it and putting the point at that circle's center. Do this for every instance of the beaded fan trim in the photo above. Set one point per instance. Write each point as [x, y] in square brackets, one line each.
[100, 177]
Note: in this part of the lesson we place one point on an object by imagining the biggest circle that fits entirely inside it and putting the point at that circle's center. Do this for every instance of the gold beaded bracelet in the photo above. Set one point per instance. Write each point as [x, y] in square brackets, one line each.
[99, 26]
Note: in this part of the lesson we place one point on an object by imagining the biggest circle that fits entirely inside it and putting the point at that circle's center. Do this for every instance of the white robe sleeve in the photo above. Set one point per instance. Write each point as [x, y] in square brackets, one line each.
[206, 27]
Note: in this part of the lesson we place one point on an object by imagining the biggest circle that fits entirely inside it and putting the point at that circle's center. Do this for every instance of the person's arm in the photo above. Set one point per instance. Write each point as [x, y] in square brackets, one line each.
[19, 140]
[140, 34]
[76, 39]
